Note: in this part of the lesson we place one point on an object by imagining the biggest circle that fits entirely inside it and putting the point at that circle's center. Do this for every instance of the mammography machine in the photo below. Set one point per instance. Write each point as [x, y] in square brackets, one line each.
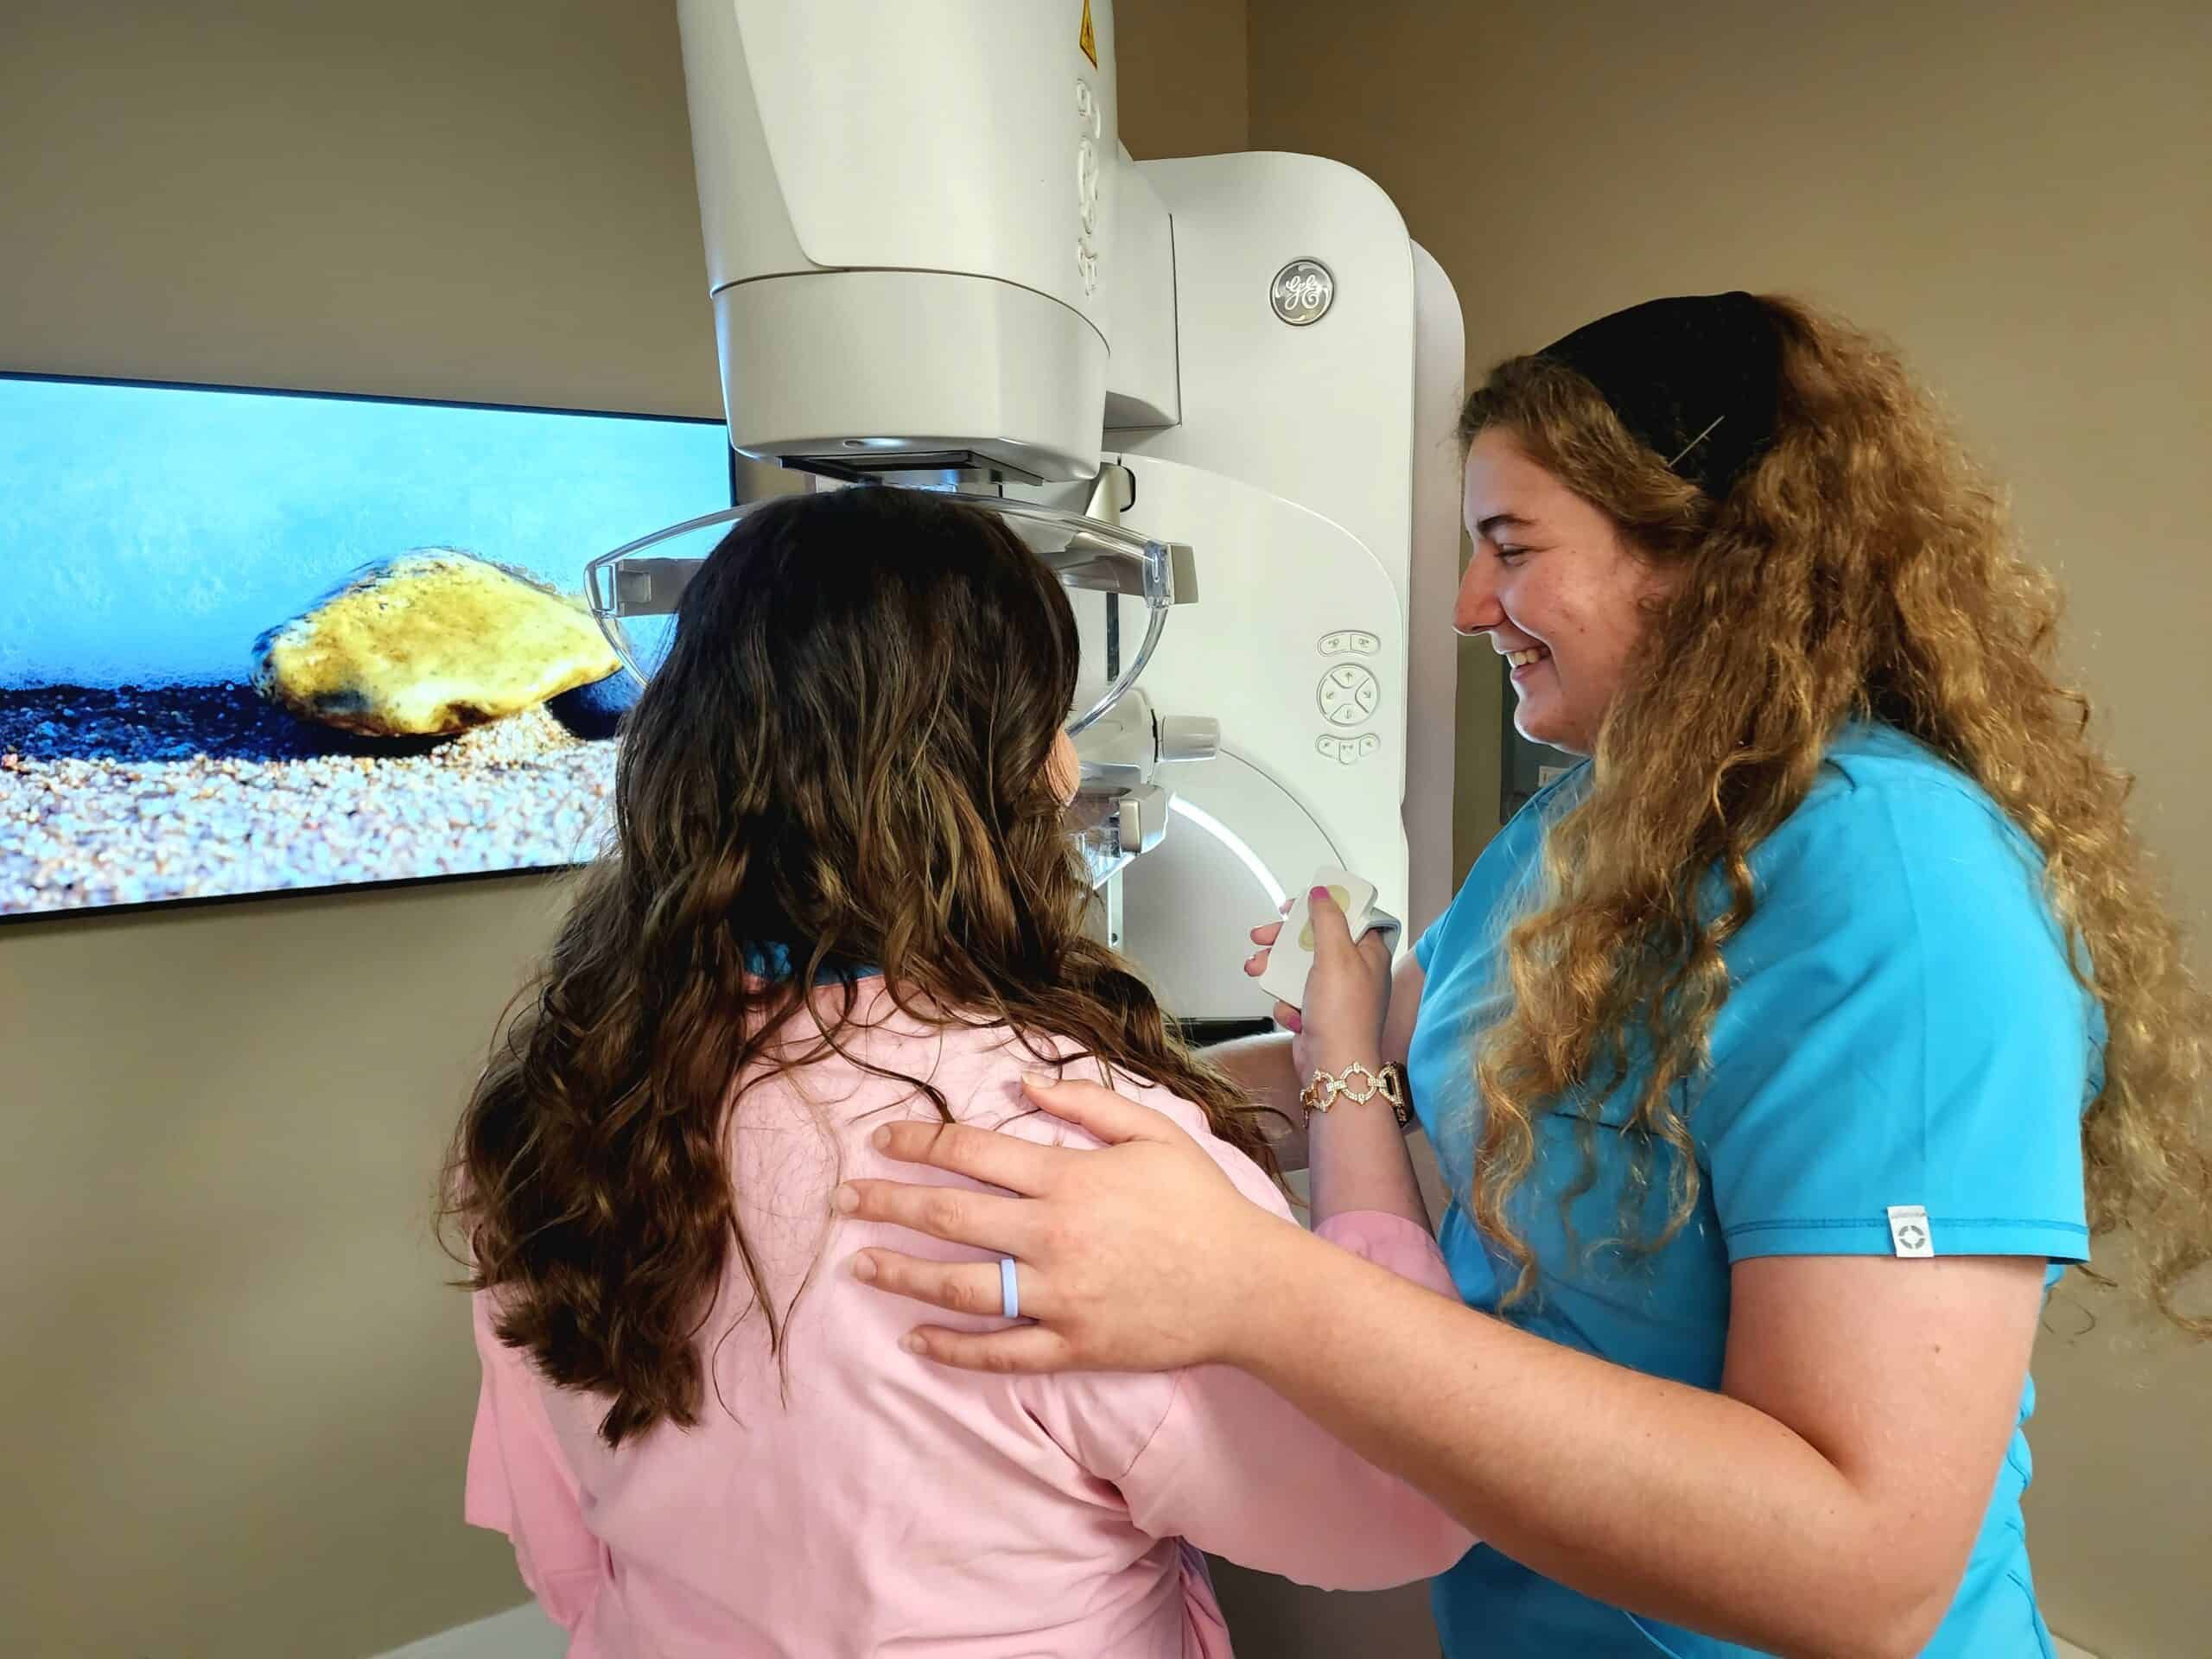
[1216, 393]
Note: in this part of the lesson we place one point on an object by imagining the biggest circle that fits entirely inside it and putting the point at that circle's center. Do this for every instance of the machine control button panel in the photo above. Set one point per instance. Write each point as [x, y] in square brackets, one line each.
[1346, 750]
[1348, 695]
[1355, 642]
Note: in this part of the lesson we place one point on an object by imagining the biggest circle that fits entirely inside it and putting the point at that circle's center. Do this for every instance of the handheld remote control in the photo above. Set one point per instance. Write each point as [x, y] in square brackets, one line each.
[1292, 955]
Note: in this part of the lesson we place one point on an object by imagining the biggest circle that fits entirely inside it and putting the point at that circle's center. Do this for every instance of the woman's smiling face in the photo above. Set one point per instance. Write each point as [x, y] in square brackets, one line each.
[1559, 591]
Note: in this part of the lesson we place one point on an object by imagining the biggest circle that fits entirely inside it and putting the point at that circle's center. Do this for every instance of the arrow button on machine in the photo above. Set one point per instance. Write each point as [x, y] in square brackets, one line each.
[1348, 694]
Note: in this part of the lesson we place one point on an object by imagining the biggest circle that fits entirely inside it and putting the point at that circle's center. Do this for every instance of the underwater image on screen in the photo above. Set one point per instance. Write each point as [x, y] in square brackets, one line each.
[253, 642]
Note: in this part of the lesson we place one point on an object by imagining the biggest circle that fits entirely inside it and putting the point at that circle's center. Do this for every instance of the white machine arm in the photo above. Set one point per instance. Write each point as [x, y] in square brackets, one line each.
[932, 264]
[911, 218]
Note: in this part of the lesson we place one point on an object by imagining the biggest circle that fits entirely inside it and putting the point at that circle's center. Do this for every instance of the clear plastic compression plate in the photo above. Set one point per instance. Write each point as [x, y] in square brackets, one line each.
[635, 591]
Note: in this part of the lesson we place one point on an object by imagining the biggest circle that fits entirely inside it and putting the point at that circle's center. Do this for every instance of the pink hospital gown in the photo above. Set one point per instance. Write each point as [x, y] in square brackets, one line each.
[886, 1505]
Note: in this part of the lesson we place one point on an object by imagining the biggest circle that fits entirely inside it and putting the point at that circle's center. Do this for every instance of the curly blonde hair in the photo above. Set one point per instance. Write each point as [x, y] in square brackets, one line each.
[1862, 569]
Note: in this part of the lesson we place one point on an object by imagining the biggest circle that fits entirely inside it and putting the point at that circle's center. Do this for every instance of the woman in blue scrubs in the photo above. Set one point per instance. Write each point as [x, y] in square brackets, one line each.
[1778, 1058]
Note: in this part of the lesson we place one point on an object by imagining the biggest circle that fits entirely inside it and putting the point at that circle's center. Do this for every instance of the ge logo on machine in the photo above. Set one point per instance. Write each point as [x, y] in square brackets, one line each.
[1302, 292]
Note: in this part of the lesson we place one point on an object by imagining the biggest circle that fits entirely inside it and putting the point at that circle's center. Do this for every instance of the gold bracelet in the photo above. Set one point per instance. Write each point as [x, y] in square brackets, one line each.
[1390, 1083]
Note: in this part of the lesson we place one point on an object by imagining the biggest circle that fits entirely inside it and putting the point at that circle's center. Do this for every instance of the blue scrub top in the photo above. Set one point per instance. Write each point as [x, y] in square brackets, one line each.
[1902, 1028]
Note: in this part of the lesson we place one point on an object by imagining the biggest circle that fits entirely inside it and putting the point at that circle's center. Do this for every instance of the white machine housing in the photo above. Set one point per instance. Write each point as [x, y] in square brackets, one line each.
[932, 260]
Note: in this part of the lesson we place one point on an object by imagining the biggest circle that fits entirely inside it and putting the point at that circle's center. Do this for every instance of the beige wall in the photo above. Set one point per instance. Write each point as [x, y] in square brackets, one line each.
[1181, 68]
[2017, 195]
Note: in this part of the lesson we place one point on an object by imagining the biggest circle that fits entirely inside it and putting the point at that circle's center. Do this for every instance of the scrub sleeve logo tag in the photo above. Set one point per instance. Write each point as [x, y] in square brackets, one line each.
[1909, 1234]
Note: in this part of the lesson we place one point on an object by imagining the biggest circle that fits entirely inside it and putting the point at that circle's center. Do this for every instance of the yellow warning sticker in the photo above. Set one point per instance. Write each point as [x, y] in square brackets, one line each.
[1088, 41]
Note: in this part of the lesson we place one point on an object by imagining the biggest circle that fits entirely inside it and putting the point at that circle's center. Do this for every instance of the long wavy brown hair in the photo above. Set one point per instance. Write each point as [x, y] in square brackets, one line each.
[1863, 569]
[842, 756]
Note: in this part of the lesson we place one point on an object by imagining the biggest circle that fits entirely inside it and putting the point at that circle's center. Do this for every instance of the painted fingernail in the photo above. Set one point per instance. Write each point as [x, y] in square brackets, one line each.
[844, 1201]
[911, 1343]
[1317, 892]
[863, 1269]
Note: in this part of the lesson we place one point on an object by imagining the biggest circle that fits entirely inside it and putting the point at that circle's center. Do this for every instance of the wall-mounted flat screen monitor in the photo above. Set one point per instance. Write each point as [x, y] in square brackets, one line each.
[254, 642]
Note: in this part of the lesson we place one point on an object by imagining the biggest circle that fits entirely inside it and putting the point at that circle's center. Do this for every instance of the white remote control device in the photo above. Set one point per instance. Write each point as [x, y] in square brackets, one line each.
[1292, 956]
